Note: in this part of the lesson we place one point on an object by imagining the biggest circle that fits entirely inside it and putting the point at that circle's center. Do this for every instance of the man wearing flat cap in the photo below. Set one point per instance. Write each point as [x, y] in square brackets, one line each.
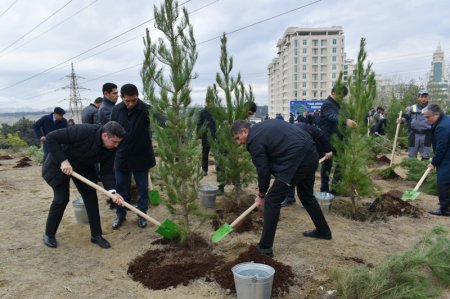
[49, 123]
[419, 130]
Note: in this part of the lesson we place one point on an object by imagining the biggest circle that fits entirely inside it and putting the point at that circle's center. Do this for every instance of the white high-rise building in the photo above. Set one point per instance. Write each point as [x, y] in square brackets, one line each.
[308, 64]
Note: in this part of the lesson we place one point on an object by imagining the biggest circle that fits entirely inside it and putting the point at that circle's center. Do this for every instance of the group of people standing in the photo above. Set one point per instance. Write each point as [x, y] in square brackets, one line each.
[118, 139]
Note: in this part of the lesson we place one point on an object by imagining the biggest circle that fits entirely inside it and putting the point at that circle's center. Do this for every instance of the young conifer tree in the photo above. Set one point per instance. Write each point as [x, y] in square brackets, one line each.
[234, 161]
[167, 73]
[353, 151]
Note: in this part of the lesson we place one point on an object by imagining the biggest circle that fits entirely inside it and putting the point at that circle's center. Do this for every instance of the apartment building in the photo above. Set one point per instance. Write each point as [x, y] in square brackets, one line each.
[438, 83]
[308, 63]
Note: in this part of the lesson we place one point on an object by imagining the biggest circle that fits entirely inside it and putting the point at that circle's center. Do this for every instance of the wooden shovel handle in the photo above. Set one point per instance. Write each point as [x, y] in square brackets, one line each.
[323, 159]
[395, 139]
[246, 212]
[422, 179]
[111, 195]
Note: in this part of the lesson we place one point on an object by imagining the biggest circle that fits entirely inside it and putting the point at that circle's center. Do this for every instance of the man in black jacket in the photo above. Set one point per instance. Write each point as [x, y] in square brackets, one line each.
[135, 154]
[289, 154]
[329, 120]
[78, 148]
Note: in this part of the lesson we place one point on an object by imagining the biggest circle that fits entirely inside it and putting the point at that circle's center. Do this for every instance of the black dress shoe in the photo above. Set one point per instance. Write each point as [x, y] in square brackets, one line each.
[50, 241]
[439, 212]
[117, 222]
[314, 234]
[141, 222]
[100, 242]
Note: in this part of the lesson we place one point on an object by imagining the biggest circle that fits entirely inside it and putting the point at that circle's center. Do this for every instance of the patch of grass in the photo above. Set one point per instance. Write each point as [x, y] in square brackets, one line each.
[421, 272]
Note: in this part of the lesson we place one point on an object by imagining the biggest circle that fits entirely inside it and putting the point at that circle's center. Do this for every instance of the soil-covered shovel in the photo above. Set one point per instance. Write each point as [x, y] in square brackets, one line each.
[167, 228]
[413, 194]
[153, 195]
[225, 229]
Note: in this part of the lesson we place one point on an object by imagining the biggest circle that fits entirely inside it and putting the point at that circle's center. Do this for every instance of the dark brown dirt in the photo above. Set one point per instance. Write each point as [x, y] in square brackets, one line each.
[6, 157]
[382, 160]
[388, 205]
[22, 164]
[25, 159]
[163, 268]
[253, 221]
[283, 278]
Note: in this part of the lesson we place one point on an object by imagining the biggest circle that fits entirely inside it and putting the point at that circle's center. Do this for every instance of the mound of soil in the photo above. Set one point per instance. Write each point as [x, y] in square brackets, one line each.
[391, 204]
[25, 159]
[283, 278]
[253, 221]
[163, 268]
[388, 205]
[6, 157]
[386, 175]
[22, 164]
[382, 160]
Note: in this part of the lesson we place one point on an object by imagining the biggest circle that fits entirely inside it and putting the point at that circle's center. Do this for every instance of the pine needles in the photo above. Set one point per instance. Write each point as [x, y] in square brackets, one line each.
[421, 272]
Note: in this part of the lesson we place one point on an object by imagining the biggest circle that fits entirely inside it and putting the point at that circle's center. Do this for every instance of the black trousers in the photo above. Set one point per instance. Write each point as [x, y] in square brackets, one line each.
[444, 196]
[205, 154]
[61, 199]
[304, 181]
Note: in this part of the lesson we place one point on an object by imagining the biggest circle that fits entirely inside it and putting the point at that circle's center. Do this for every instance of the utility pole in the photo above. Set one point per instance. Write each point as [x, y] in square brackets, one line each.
[75, 101]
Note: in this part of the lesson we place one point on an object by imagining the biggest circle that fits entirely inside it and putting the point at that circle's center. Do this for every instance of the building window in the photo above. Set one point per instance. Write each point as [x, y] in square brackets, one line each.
[304, 76]
[295, 95]
[314, 77]
[295, 51]
[304, 50]
[323, 51]
[314, 85]
[295, 60]
[314, 59]
[333, 67]
[305, 59]
[334, 41]
[315, 51]
[305, 42]
[333, 58]
[323, 76]
[333, 76]
[323, 42]
[295, 78]
[323, 59]
[314, 94]
[304, 93]
[323, 68]
[295, 85]
[334, 50]
[314, 68]
[315, 42]
[303, 84]
[304, 67]
[295, 43]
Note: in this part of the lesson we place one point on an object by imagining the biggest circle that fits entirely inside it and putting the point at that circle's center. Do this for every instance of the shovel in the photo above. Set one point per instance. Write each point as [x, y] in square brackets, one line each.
[395, 139]
[413, 194]
[167, 229]
[153, 195]
[225, 229]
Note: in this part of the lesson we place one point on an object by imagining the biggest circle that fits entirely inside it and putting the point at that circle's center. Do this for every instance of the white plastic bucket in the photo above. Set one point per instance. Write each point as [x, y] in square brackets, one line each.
[253, 280]
[208, 195]
[324, 199]
[79, 209]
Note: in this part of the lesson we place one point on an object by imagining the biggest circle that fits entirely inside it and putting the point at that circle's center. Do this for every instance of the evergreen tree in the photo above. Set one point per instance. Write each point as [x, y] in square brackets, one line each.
[354, 151]
[235, 166]
[167, 73]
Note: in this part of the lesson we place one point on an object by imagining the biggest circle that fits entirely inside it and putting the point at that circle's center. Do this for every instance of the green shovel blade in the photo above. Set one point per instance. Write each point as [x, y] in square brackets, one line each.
[410, 195]
[168, 229]
[153, 196]
[222, 232]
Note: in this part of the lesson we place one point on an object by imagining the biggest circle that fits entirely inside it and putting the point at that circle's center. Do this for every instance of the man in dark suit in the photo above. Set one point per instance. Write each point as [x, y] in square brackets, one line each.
[135, 154]
[329, 121]
[441, 159]
[289, 154]
[49, 123]
[78, 148]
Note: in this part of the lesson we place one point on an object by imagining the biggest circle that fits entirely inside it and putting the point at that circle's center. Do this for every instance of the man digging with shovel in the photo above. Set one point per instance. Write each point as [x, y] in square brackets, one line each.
[441, 159]
[289, 154]
[79, 148]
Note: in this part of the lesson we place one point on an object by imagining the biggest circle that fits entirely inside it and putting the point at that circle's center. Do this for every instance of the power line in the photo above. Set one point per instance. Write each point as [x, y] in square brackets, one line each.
[261, 21]
[35, 27]
[9, 7]
[51, 28]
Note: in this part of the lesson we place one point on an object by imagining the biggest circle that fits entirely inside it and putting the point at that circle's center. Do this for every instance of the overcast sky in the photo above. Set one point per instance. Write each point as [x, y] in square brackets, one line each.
[36, 48]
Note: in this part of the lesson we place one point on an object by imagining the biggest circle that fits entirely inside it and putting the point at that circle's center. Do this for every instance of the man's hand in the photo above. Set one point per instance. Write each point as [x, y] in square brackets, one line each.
[66, 167]
[350, 123]
[431, 166]
[328, 155]
[42, 139]
[259, 201]
[117, 199]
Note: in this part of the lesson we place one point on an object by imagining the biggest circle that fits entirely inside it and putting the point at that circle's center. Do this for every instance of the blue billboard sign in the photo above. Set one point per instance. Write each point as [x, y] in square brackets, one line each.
[301, 106]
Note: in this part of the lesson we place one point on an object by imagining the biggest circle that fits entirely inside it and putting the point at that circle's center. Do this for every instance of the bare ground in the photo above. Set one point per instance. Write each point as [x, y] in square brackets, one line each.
[79, 269]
